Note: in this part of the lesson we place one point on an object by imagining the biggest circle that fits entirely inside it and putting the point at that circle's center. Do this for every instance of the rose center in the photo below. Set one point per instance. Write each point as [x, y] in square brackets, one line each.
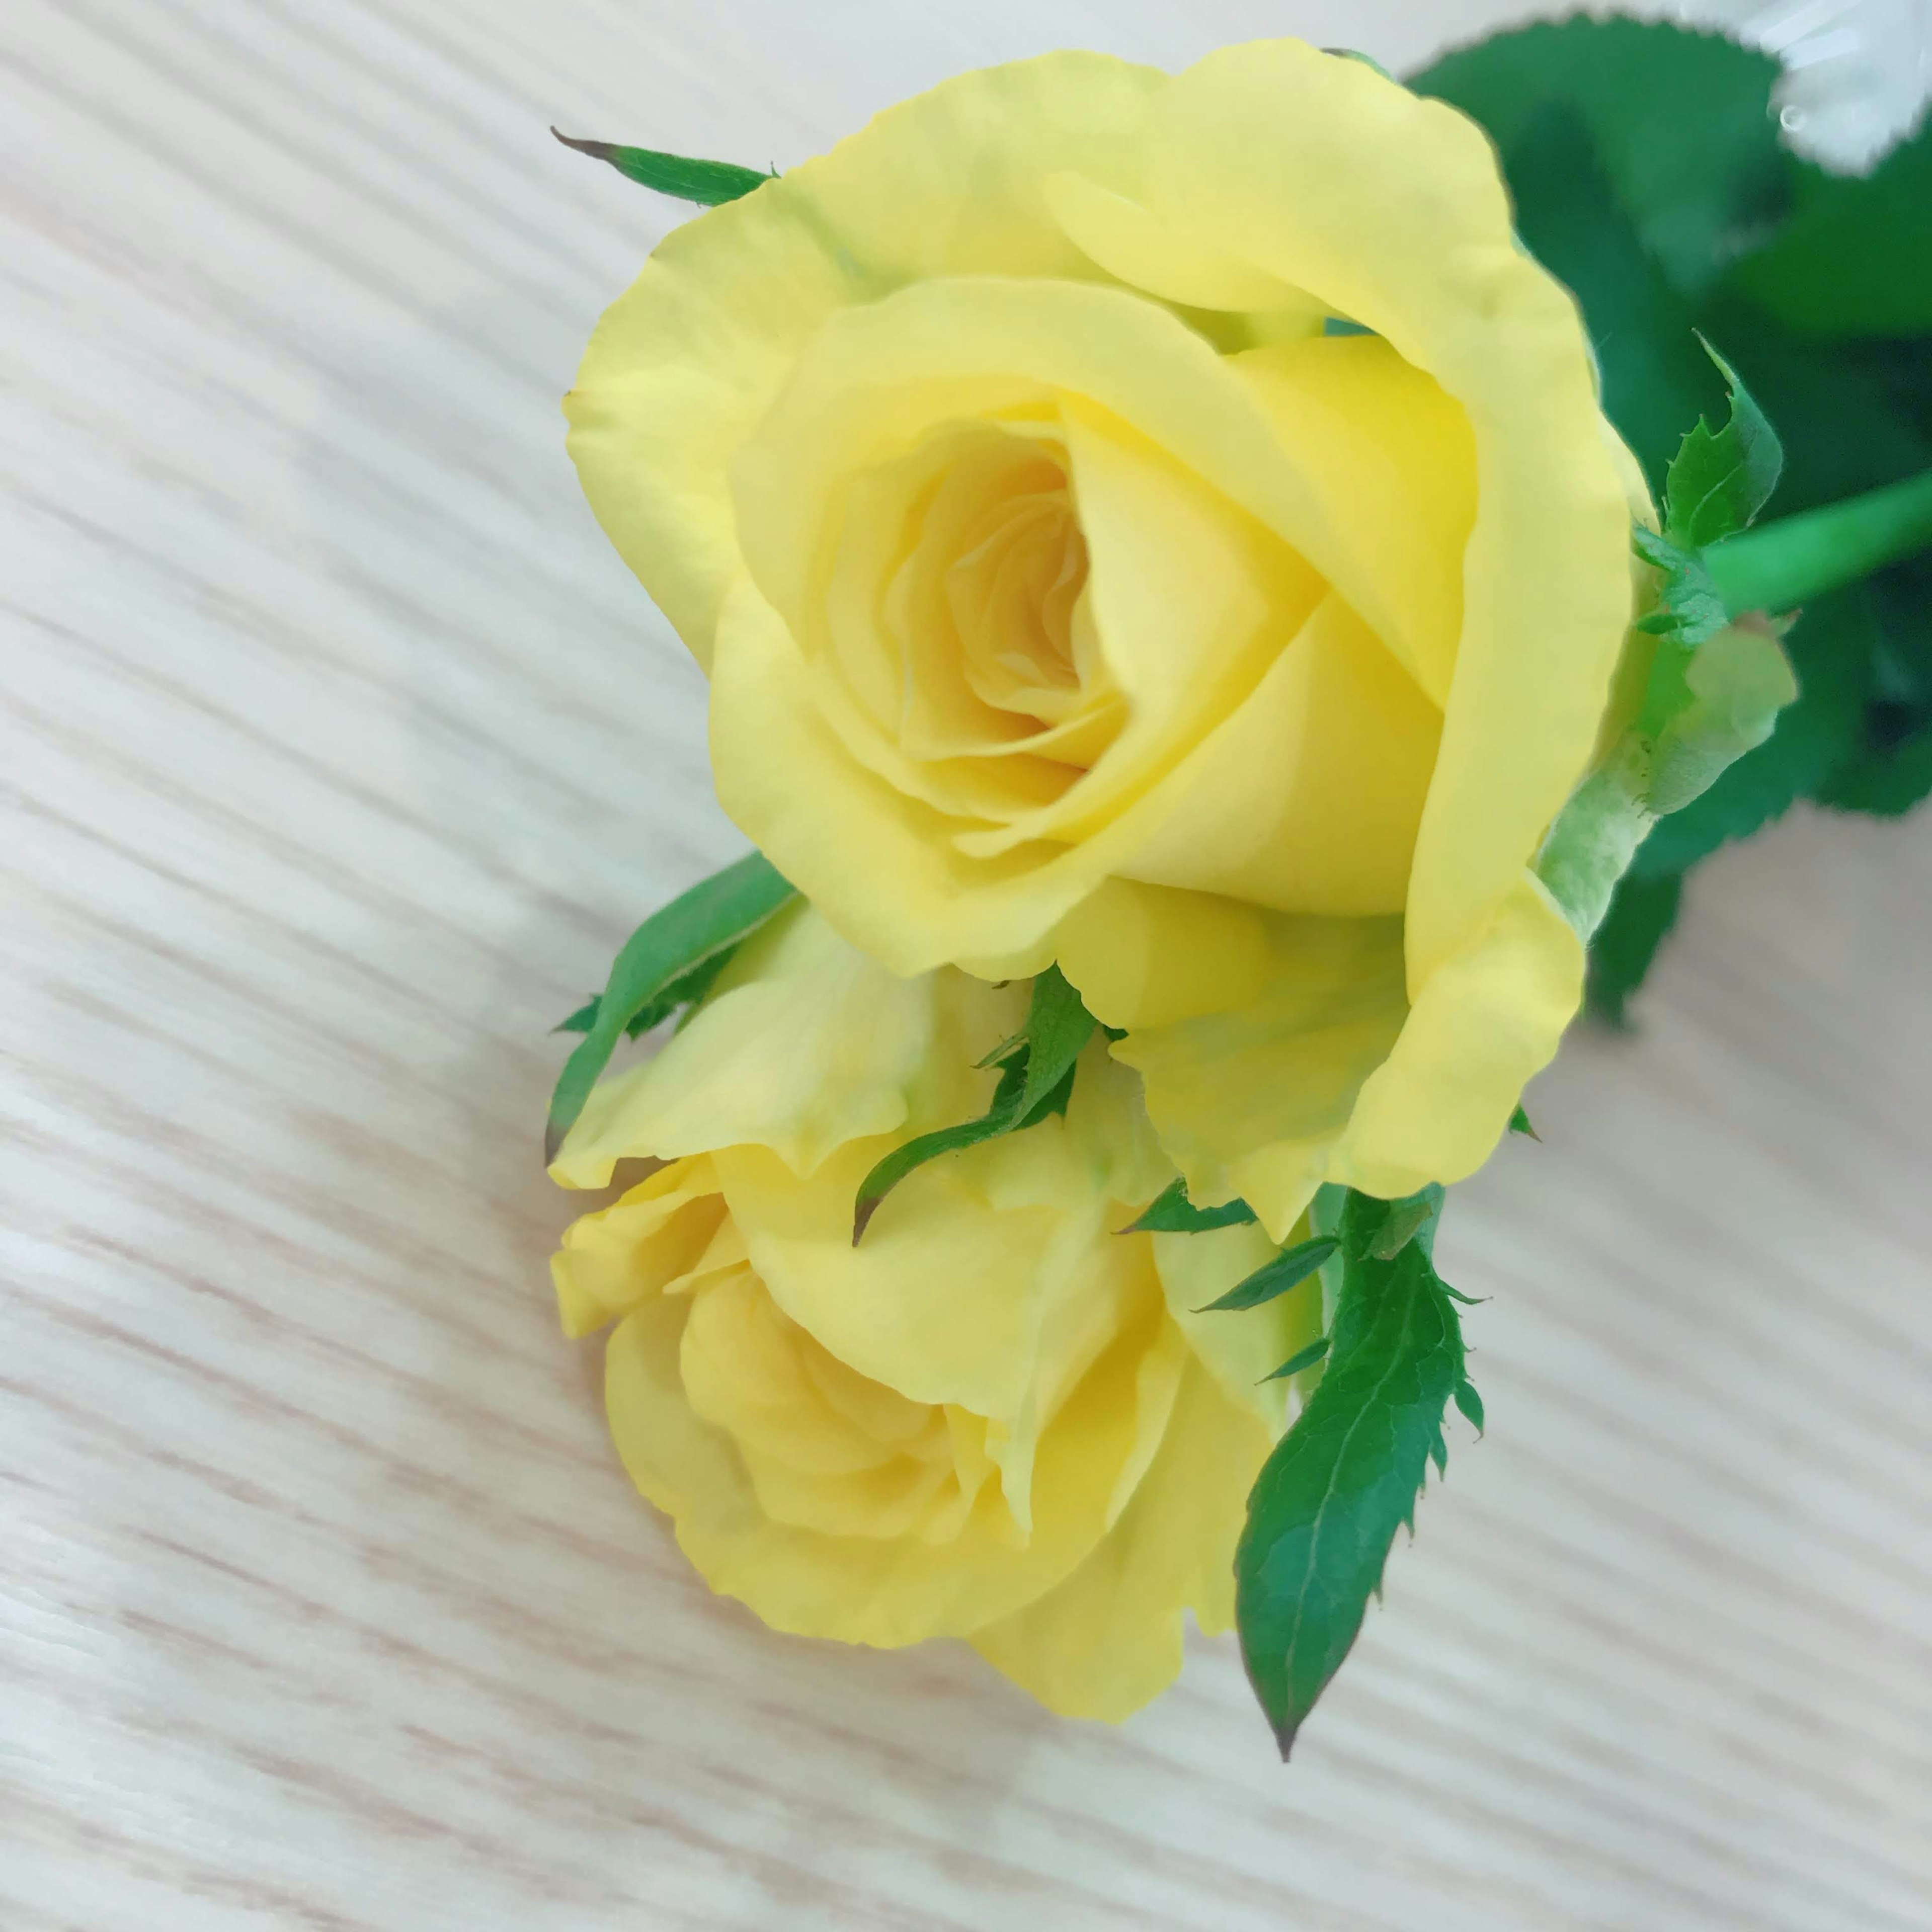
[1012, 595]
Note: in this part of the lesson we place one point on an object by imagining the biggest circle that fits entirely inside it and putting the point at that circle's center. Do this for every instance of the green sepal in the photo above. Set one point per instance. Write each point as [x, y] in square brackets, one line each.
[999, 1118]
[1323, 1512]
[1036, 1080]
[1302, 1358]
[684, 990]
[707, 183]
[1171, 1212]
[1289, 1269]
[1721, 478]
[1832, 648]
[1519, 1122]
[1404, 1221]
[676, 943]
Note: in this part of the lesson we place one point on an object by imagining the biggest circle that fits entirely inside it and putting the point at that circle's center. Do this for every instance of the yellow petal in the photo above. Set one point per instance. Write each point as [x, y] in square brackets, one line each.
[1240, 1348]
[960, 1292]
[1111, 1636]
[879, 864]
[806, 1045]
[1392, 456]
[1143, 955]
[1308, 798]
[1135, 245]
[684, 364]
[1390, 209]
[609, 1261]
[864, 1589]
[1328, 1075]
[1250, 1101]
[1488, 1021]
[1192, 599]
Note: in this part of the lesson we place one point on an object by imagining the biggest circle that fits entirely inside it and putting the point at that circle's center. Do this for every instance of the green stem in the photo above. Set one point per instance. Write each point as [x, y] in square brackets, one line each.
[1782, 565]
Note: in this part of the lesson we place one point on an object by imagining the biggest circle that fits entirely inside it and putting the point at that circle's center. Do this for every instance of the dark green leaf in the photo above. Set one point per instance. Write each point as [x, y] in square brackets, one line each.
[1654, 378]
[1324, 1510]
[1721, 478]
[1681, 120]
[1885, 784]
[1173, 1213]
[1037, 1068]
[673, 943]
[1855, 259]
[582, 1021]
[1642, 910]
[706, 182]
[1289, 1269]
[1302, 1358]
[1519, 1124]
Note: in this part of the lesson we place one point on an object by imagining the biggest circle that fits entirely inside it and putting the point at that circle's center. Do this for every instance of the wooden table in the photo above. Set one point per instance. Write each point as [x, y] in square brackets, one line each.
[339, 753]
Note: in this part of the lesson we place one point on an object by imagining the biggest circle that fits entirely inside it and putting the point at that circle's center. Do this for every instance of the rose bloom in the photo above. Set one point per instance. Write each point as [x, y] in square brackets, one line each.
[998, 1418]
[1164, 525]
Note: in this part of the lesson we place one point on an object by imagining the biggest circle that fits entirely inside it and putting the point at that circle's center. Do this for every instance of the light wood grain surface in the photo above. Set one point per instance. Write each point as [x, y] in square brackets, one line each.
[338, 754]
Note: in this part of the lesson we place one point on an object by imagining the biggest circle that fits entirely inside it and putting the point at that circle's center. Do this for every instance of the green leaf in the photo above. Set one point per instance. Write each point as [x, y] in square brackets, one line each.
[707, 183]
[1519, 1124]
[1036, 1080]
[1642, 911]
[1721, 478]
[673, 944]
[1681, 120]
[1173, 1213]
[1324, 1510]
[1654, 379]
[1302, 1358]
[1855, 259]
[1887, 783]
[1289, 1269]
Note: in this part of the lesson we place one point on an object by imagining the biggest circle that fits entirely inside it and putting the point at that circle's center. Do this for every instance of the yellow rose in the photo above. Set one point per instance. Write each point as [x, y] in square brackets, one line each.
[1072, 588]
[996, 1419]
